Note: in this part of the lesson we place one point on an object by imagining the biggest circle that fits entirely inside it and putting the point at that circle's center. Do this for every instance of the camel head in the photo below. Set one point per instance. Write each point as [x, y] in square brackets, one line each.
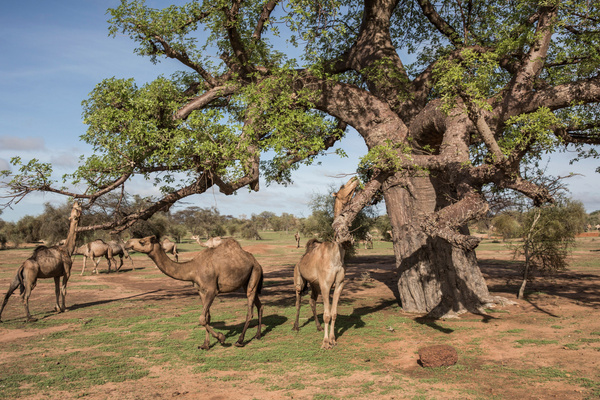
[143, 245]
[343, 196]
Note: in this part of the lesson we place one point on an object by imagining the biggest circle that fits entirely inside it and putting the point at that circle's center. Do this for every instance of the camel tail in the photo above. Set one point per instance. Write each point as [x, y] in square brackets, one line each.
[260, 285]
[21, 278]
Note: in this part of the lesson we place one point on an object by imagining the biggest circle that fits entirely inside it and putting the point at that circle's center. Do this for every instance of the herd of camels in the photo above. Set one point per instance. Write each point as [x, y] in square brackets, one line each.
[222, 268]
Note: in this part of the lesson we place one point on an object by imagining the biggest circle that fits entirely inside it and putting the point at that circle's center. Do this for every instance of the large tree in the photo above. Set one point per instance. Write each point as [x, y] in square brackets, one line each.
[450, 96]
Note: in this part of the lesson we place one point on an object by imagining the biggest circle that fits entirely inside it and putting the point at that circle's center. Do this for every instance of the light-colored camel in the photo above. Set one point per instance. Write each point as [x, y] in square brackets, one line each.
[118, 249]
[47, 262]
[297, 237]
[221, 269]
[210, 243]
[343, 196]
[170, 247]
[322, 267]
[96, 249]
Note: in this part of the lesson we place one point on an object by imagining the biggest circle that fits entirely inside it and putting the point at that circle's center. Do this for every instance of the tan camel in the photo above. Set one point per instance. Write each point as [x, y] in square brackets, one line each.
[297, 237]
[170, 247]
[322, 267]
[47, 262]
[343, 196]
[210, 243]
[118, 249]
[221, 269]
[96, 249]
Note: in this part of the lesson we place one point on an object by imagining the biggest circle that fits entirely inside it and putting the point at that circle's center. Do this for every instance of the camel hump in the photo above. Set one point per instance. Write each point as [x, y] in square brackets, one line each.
[311, 244]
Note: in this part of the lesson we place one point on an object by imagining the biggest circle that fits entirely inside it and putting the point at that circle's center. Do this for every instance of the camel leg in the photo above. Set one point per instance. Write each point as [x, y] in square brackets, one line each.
[29, 285]
[207, 299]
[339, 286]
[299, 284]
[13, 286]
[83, 269]
[57, 292]
[95, 271]
[314, 295]
[249, 316]
[325, 290]
[259, 311]
[120, 264]
[63, 291]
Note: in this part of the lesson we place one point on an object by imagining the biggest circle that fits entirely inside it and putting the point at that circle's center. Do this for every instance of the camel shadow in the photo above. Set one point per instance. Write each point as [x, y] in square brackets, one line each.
[108, 301]
[233, 331]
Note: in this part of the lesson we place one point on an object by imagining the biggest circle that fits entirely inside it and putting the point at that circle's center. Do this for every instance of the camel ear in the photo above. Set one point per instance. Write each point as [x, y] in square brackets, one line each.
[334, 194]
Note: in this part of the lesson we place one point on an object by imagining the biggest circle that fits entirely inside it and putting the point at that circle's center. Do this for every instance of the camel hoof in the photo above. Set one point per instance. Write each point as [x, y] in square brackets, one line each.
[295, 328]
[221, 338]
[319, 329]
[239, 344]
[204, 347]
[31, 319]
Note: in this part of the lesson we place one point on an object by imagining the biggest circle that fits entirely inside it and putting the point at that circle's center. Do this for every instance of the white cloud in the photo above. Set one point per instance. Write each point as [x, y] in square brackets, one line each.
[18, 143]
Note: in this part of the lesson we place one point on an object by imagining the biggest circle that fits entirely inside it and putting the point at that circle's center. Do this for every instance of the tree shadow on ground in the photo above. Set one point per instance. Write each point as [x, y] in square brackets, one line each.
[504, 277]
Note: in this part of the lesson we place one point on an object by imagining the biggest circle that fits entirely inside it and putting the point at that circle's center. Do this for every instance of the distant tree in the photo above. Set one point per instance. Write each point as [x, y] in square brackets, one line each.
[507, 224]
[248, 230]
[264, 220]
[177, 231]
[203, 222]
[548, 236]
[383, 225]
[54, 222]
[28, 229]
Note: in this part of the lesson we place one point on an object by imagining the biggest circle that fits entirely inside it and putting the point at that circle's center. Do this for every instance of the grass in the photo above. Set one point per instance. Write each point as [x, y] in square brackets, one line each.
[125, 340]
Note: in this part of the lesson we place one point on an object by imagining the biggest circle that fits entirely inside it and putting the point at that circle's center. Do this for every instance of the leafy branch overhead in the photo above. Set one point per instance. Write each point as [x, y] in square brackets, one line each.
[466, 92]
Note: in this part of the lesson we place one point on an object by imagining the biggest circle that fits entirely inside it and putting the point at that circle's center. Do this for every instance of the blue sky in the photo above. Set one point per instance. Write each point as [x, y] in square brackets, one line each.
[55, 52]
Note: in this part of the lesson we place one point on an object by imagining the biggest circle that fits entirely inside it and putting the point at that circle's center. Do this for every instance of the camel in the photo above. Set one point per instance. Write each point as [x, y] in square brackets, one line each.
[210, 243]
[297, 237]
[220, 269]
[170, 247]
[322, 267]
[47, 262]
[98, 248]
[118, 249]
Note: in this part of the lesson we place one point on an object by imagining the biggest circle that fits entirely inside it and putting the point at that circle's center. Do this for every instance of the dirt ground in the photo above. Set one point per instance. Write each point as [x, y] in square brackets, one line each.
[572, 299]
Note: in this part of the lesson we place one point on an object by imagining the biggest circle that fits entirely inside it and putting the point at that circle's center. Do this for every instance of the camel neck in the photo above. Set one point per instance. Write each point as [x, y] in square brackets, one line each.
[71, 237]
[175, 270]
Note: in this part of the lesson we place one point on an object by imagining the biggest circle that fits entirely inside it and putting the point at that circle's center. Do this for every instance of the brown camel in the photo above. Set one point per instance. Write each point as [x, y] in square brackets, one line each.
[170, 247]
[96, 249]
[221, 269]
[118, 249]
[297, 237]
[47, 262]
[322, 267]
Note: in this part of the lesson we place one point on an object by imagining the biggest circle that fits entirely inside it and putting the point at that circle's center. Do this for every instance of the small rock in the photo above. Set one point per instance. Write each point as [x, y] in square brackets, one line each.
[438, 356]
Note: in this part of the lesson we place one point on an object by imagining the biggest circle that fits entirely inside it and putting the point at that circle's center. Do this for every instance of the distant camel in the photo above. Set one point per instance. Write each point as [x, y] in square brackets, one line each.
[221, 269]
[322, 266]
[170, 247]
[47, 262]
[297, 237]
[118, 249]
[96, 249]
[212, 242]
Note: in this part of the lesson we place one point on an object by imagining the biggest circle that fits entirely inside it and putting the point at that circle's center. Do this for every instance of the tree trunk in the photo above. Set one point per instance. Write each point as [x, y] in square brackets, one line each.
[434, 277]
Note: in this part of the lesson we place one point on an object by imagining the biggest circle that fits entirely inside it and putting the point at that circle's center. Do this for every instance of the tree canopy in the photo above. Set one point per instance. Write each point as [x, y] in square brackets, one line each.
[449, 96]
